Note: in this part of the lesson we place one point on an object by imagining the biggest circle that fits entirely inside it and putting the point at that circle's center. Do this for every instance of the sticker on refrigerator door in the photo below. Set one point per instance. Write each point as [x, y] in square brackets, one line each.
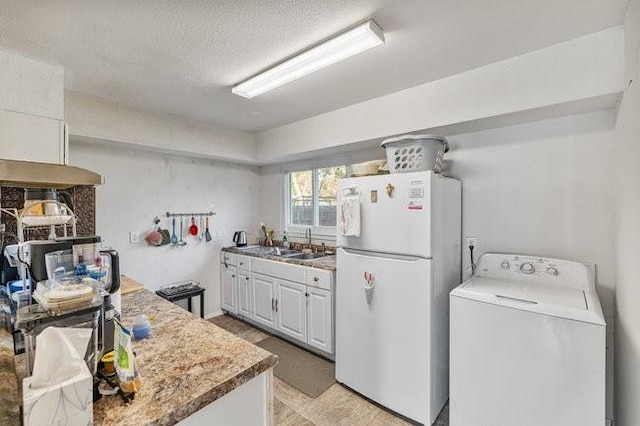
[374, 196]
[415, 205]
[416, 192]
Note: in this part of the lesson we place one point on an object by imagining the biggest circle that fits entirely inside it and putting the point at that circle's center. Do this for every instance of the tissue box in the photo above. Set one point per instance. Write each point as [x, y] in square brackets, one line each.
[67, 403]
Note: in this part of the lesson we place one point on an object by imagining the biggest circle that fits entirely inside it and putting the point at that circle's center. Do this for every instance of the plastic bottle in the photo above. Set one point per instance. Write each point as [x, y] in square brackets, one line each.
[285, 239]
[81, 267]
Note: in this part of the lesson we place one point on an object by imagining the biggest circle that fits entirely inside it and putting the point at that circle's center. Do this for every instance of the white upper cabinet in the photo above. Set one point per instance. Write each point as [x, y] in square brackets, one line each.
[32, 138]
[31, 87]
[32, 111]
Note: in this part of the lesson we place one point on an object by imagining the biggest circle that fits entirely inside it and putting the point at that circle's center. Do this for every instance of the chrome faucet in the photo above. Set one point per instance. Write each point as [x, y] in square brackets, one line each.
[307, 234]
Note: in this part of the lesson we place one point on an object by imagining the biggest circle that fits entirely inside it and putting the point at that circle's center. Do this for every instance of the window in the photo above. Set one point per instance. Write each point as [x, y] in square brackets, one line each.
[312, 196]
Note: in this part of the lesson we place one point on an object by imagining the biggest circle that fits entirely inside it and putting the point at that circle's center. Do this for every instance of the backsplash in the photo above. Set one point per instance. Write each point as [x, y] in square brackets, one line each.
[84, 202]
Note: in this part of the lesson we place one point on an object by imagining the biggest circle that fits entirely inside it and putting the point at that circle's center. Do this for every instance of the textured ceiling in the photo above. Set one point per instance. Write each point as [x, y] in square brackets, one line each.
[182, 57]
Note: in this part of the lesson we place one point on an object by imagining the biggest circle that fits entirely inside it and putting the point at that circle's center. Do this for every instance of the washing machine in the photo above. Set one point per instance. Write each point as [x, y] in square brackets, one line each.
[527, 338]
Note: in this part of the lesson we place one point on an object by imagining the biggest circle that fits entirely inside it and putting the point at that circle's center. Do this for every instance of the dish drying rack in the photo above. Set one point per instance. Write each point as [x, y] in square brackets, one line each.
[66, 221]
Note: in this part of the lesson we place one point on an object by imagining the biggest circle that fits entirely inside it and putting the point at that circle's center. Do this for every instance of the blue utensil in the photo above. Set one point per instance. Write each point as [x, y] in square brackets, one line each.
[174, 237]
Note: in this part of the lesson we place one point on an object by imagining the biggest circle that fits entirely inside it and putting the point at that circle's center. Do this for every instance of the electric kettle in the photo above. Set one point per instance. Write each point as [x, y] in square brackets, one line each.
[240, 238]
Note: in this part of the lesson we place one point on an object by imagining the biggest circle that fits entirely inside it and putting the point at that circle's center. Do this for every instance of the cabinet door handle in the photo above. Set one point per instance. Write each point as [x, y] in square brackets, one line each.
[233, 276]
[241, 263]
[316, 279]
[247, 278]
[273, 308]
[306, 294]
[276, 305]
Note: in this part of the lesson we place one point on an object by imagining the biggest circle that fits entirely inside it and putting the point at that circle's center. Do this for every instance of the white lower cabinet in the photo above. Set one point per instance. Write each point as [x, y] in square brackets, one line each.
[243, 280]
[320, 318]
[292, 300]
[263, 300]
[228, 288]
[291, 309]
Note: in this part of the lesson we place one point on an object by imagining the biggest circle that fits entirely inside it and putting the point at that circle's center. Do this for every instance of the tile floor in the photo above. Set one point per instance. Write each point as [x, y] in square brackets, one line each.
[336, 406]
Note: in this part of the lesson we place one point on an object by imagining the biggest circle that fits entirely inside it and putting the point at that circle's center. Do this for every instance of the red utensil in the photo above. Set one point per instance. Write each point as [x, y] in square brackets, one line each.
[193, 229]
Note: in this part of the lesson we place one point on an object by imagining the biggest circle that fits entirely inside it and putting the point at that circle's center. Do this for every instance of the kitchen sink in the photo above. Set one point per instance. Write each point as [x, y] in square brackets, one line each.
[306, 256]
[257, 250]
[286, 253]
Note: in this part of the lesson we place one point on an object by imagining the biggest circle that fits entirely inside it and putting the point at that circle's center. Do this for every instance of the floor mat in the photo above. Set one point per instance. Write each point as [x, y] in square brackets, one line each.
[308, 373]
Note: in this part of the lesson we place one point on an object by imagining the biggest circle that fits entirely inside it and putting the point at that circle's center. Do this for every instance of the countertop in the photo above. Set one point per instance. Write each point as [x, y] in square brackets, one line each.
[186, 364]
[9, 407]
[328, 262]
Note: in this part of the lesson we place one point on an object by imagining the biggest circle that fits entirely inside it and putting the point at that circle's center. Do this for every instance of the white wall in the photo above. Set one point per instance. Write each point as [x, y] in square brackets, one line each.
[627, 181]
[103, 121]
[541, 188]
[570, 74]
[141, 185]
[544, 188]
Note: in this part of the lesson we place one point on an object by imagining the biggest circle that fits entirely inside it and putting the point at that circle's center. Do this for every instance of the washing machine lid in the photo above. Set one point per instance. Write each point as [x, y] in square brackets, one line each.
[562, 302]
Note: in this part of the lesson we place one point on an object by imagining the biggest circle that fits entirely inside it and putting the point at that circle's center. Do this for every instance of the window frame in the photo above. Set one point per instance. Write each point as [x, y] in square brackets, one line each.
[316, 228]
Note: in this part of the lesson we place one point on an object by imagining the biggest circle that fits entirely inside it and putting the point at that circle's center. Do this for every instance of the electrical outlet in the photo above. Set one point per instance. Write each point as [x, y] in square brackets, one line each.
[471, 241]
[134, 237]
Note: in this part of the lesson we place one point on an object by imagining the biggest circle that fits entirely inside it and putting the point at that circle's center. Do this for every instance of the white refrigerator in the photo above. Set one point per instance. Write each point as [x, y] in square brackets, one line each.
[394, 275]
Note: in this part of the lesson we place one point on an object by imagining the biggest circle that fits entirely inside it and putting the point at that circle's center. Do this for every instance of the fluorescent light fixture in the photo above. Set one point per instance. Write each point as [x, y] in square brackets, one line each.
[334, 50]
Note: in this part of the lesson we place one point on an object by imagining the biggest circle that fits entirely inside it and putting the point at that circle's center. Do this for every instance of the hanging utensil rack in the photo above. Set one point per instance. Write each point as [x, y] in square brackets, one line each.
[169, 214]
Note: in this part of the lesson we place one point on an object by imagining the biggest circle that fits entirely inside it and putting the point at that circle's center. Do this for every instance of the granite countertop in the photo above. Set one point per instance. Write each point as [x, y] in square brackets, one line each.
[328, 262]
[9, 407]
[185, 365]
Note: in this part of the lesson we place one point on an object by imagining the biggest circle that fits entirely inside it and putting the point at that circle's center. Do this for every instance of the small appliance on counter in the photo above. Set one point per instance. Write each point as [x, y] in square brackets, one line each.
[240, 238]
[76, 284]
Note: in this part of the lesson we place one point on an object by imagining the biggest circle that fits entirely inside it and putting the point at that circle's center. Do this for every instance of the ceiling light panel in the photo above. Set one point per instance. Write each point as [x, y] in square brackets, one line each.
[342, 46]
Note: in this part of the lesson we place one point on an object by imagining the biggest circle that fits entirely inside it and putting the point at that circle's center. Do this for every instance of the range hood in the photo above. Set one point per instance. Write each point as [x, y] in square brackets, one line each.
[27, 174]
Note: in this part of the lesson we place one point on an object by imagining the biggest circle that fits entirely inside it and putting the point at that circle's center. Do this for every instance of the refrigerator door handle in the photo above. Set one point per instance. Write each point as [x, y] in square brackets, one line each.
[396, 256]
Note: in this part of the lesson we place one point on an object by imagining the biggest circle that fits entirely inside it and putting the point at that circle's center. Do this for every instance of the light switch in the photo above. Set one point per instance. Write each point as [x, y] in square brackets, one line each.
[134, 237]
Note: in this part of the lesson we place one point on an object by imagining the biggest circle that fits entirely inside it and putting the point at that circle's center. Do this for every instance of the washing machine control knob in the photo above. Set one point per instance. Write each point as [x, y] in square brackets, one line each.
[505, 265]
[552, 271]
[527, 268]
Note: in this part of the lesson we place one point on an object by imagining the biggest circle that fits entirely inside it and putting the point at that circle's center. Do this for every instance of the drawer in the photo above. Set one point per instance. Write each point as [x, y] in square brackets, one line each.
[243, 262]
[319, 278]
[228, 258]
[285, 271]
